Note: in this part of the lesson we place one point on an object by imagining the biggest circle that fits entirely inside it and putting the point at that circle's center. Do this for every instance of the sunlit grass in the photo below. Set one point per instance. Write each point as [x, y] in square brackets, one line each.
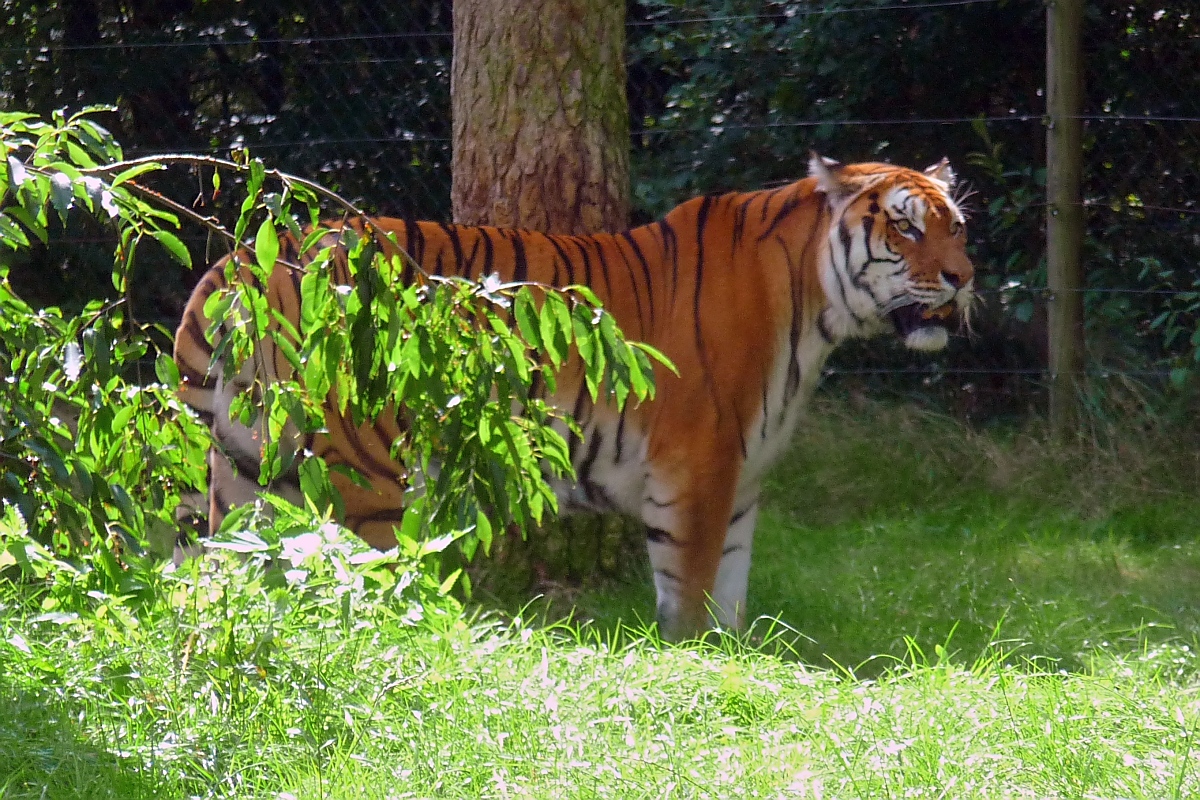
[962, 616]
[485, 711]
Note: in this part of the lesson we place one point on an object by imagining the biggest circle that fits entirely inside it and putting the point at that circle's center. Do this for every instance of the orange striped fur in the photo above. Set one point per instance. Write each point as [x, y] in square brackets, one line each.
[747, 294]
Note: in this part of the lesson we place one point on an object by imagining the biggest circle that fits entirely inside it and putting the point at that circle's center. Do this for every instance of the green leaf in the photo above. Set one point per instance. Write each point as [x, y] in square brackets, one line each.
[438, 544]
[525, 310]
[410, 525]
[167, 371]
[314, 236]
[23, 216]
[61, 193]
[80, 156]
[483, 531]
[656, 355]
[172, 245]
[554, 324]
[18, 175]
[266, 246]
[12, 235]
[239, 541]
[586, 293]
[134, 171]
[448, 584]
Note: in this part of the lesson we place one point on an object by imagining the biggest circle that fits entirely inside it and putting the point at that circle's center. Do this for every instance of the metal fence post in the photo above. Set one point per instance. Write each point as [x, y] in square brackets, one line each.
[1064, 211]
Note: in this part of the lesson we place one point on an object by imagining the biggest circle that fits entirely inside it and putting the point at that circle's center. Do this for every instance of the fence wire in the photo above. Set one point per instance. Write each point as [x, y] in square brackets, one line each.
[723, 95]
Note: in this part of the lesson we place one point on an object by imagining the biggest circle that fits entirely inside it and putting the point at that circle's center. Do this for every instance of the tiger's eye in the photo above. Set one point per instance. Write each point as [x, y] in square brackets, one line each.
[903, 225]
[956, 228]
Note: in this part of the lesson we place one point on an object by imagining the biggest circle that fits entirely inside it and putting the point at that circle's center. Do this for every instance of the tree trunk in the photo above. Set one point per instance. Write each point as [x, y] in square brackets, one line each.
[541, 123]
[541, 141]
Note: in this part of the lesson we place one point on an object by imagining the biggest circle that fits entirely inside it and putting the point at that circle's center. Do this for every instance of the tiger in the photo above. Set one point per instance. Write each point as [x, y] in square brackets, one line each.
[746, 293]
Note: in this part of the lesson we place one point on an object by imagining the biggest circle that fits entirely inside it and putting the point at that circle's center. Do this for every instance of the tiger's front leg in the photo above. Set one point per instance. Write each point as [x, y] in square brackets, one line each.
[699, 548]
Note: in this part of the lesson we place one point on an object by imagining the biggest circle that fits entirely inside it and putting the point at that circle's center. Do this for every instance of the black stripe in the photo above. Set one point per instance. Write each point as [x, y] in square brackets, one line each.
[789, 205]
[587, 262]
[620, 434]
[353, 438]
[451, 231]
[489, 252]
[798, 289]
[566, 261]
[248, 466]
[584, 473]
[741, 431]
[520, 263]
[823, 329]
[868, 225]
[766, 409]
[701, 225]
[603, 266]
[844, 238]
[385, 435]
[192, 326]
[737, 516]
[414, 240]
[474, 250]
[793, 370]
[637, 252]
[739, 221]
[660, 536]
[221, 503]
[633, 287]
[297, 276]
[670, 245]
[355, 521]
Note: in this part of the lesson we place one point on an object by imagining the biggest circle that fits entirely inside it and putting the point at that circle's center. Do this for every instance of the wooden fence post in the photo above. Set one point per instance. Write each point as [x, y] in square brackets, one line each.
[1064, 211]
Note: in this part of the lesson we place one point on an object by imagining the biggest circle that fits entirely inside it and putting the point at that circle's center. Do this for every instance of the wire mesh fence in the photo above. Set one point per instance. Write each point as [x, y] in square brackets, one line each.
[723, 94]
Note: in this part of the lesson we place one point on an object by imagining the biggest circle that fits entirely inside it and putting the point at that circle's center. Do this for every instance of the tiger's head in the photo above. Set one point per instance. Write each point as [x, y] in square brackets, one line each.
[897, 252]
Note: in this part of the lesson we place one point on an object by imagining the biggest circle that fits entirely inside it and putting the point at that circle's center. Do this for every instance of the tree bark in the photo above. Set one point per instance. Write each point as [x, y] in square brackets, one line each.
[541, 122]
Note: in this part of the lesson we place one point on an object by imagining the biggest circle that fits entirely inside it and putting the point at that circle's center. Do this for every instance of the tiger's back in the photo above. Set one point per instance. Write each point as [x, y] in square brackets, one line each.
[745, 293]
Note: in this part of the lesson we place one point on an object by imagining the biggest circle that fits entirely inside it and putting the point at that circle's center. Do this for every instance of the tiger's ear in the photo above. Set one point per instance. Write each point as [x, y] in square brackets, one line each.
[941, 172]
[829, 175]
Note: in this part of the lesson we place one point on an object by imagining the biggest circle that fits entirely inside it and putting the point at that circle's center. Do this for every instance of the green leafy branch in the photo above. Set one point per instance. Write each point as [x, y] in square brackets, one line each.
[465, 360]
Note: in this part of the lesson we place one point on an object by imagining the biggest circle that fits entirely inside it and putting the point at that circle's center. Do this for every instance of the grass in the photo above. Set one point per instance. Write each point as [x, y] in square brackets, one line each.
[966, 615]
[509, 712]
[887, 526]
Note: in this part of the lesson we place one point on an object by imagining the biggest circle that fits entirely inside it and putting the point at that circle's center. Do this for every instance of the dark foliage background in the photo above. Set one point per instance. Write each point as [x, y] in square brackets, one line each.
[723, 94]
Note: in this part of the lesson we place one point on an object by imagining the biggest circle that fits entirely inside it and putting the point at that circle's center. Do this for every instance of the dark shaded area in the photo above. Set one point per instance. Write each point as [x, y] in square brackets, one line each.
[724, 94]
[739, 92]
[45, 754]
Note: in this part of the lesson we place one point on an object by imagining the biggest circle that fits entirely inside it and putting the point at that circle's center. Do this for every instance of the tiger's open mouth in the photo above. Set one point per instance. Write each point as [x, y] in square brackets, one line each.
[921, 327]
